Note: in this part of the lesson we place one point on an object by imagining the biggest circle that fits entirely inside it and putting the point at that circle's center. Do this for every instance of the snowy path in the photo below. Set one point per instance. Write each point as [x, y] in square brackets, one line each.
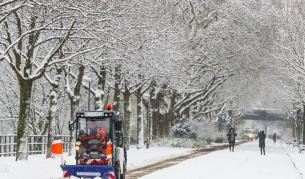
[280, 162]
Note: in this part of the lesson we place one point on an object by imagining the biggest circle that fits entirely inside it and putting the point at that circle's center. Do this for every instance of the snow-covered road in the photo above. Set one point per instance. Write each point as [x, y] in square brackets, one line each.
[280, 162]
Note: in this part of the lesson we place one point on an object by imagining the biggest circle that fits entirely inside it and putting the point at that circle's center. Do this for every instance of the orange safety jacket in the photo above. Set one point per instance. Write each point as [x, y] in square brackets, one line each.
[109, 150]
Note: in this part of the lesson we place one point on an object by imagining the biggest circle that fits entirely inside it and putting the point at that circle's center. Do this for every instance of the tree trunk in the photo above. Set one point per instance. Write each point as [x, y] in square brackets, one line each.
[52, 112]
[140, 127]
[146, 116]
[150, 113]
[74, 106]
[126, 120]
[24, 116]
[154, 114]
[298, 124]
[116, 97]
[171, 113]
[292, 125]
[100, 92]
[148, 127]
[51, 120]
[161, 114]
[74, 102]
[303, 123]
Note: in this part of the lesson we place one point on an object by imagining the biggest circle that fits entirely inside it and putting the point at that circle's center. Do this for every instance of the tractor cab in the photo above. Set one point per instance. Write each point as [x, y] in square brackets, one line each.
[94, 137]
[99, 147]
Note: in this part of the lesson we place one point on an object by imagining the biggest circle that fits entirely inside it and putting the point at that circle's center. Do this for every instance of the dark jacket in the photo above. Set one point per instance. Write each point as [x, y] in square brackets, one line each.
[274, 137]
[92, 131]
[261, 139]
[231, 136]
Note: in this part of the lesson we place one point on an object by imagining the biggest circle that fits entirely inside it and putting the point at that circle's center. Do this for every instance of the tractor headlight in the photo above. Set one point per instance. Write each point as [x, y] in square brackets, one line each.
[77, 145]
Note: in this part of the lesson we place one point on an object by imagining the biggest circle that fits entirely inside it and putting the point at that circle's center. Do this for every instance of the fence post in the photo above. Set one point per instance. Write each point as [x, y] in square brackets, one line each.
[42, 144]
[12, 141]
[5, 147]
[27, 147]
[9, 146]
[15, 144]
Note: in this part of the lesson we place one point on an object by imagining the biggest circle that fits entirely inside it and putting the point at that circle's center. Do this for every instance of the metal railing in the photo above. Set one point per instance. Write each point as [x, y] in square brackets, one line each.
[37, 144]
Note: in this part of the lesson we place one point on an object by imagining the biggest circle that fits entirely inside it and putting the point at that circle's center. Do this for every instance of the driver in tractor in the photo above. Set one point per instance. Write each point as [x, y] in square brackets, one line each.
[104, 148]
[84, 137]
[93, 128]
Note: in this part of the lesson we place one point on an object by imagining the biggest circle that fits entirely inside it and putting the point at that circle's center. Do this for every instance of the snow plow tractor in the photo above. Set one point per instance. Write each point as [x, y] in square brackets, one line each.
[99, 150]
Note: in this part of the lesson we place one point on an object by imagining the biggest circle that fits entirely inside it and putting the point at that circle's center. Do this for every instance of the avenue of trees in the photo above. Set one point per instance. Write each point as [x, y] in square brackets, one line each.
[181, 60]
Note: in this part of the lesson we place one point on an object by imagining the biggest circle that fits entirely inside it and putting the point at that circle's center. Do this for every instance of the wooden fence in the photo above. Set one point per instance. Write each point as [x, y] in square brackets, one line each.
[37, 144]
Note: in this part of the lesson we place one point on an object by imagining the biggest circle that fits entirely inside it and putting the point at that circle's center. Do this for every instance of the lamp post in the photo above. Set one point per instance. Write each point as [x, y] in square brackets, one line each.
[89, 95]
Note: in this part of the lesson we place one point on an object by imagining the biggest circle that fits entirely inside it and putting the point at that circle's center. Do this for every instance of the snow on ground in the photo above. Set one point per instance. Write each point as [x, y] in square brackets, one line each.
[297, 159]
[280, 162]
[37, 167]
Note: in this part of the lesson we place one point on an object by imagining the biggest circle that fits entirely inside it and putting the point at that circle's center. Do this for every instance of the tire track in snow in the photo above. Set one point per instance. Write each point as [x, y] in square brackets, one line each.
[137, 173]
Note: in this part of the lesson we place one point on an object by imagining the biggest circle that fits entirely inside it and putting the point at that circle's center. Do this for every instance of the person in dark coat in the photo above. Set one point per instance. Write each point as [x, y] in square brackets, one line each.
[231, 139]
[274, 137]
[261, 142]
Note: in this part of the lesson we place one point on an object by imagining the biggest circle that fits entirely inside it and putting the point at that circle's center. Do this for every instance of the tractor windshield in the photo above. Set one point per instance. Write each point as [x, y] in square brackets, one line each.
[93, 134]
[94, 126]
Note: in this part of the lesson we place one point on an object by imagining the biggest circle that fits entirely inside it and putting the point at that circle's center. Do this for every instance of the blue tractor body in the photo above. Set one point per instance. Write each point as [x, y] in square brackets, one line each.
[89, 171]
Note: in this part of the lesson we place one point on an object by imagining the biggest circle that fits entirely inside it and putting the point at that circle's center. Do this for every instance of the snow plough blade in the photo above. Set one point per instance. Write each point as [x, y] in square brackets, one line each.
[88, 171]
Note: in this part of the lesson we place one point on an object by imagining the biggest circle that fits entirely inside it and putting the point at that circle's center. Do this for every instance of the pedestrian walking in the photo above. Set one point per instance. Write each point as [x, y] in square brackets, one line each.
[274, 138]
[231, 138]
[261, 142]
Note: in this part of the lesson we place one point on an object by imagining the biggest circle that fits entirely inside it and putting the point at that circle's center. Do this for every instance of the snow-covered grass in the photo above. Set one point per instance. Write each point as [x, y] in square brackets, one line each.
[37, 167]
[280, 162]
